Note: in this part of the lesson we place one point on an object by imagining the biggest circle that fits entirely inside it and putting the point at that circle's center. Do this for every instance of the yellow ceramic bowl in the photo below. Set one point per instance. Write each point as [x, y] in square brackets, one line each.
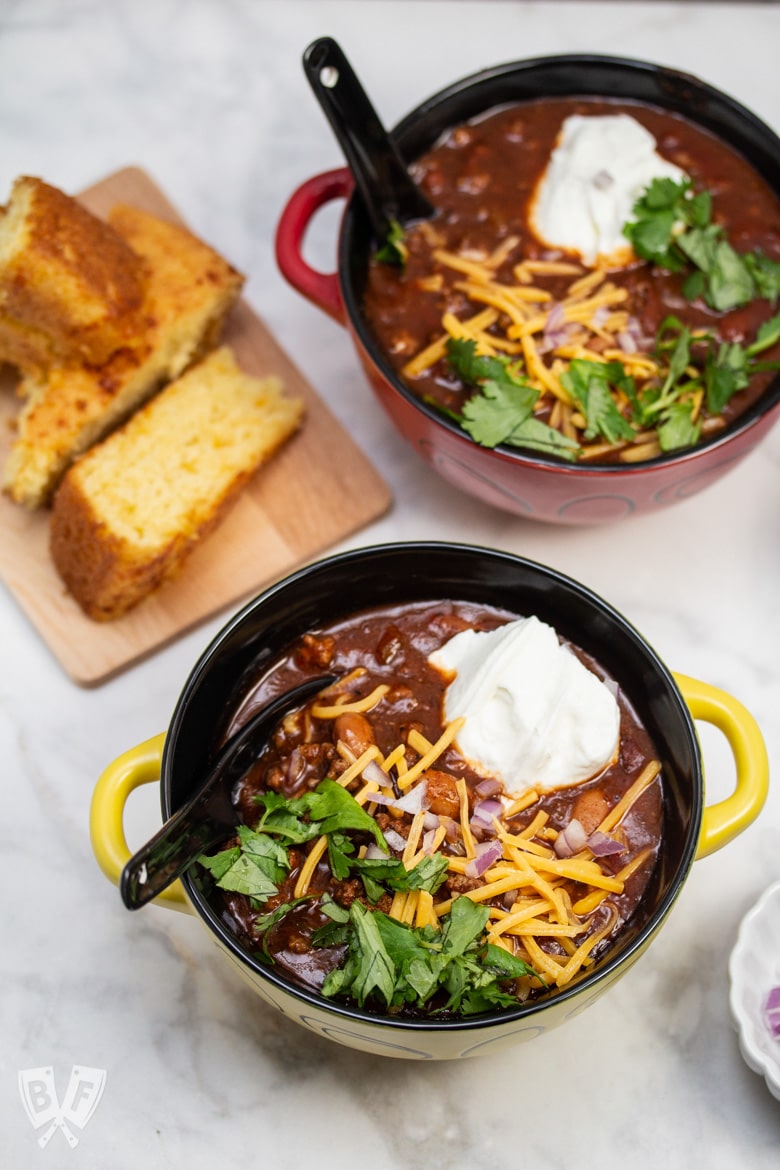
[340, 585]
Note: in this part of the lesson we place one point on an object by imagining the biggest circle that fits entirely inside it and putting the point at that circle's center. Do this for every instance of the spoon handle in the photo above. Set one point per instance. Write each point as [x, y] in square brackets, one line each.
[380, 173]
[210, 816]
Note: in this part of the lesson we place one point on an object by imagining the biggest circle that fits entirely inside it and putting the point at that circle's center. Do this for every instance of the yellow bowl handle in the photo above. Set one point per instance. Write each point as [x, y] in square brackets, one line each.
[728, 818]
[141, 765]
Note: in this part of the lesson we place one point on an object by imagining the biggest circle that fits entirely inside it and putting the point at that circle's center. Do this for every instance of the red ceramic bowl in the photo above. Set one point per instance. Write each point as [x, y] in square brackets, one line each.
[528, 484]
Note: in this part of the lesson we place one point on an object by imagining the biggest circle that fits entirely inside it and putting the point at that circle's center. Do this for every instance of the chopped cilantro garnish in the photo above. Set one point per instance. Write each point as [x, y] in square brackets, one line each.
[503, 410]
[589, 384]
[673, 228]
[386, 961]
[401, 964]
[393, 250]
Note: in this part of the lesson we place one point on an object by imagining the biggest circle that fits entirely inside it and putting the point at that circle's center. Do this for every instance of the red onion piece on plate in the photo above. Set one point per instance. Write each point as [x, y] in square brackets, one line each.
[772, 1012]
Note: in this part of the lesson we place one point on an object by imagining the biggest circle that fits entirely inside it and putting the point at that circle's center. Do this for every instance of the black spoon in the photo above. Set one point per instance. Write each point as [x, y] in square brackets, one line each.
[380, 173]
[210, 816]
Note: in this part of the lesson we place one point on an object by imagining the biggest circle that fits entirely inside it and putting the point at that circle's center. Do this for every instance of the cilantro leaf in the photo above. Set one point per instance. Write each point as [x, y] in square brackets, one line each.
[220, 863]
[376, 970]
[765, 273]
[393, 250]
[659, 208]
[506, 400]
[589, 385]
[266, 853]
[767, 336]
[246, 877]
[282, 818]
[337, 809]
[497, 413]
[428, 874]
[340, 851]
[464, 924]
[730, 282]
[538, 436]
[678, 428]
[724, 375]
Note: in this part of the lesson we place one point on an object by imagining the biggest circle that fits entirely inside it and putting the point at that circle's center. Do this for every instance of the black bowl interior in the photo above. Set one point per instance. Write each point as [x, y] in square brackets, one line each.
[573, 75]
[390, 574]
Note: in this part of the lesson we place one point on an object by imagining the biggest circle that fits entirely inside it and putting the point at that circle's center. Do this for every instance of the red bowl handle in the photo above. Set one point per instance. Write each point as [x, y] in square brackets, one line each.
[321, 288]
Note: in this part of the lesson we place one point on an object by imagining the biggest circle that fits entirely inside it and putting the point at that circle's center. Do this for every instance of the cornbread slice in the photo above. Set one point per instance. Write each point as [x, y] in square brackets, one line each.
[190, 288]
[70, 287]
[131, 510]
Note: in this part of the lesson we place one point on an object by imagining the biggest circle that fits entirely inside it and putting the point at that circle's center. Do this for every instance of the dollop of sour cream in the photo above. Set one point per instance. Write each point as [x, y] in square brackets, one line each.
[597, 171]
[535, 716]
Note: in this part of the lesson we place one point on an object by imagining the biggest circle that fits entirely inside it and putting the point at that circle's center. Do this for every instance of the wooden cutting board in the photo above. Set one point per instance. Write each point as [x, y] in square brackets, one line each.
[316, 491]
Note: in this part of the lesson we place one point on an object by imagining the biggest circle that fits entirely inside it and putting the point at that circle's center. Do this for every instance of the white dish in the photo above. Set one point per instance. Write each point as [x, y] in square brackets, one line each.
[754, 969]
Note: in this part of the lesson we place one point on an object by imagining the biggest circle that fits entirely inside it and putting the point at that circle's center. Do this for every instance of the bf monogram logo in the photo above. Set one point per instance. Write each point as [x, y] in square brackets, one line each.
[82, 1096]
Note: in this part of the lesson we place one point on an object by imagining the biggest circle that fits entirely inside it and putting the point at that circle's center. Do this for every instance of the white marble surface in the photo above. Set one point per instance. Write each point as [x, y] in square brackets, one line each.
[210, 97]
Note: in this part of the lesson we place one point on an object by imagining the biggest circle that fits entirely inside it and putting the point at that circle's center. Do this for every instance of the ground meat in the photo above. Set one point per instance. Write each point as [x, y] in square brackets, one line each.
[459, 883]
[315, 651]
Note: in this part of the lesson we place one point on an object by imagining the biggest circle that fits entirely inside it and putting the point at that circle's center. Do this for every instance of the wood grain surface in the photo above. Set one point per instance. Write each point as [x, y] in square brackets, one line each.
[319, 489]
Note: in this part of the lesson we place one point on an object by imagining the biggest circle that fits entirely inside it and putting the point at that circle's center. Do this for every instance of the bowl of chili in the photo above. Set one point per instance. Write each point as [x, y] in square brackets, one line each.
[598, 391]
[376, 614]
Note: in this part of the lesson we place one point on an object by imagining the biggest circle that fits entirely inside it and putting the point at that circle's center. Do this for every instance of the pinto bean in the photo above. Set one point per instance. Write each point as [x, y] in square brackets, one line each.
[590, 808]
[442, 794]
[355, 730]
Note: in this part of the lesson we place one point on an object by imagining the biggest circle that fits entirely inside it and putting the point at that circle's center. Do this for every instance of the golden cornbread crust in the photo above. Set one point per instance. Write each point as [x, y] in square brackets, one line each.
[127, 514]
[70, 286]
[189, 290]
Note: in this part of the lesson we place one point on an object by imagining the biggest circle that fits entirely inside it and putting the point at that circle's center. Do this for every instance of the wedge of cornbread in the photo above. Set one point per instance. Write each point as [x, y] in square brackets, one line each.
[189, 290]
[70, 287]
[130, 511]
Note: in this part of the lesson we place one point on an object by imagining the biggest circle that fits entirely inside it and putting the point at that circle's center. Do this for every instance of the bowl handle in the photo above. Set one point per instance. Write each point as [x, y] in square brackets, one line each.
[728, 818]
[321, 288]
[140, 765]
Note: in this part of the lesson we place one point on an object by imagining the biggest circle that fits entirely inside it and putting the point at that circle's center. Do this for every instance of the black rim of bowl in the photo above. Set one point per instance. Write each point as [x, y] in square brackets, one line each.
[622, 952]
[566, 75]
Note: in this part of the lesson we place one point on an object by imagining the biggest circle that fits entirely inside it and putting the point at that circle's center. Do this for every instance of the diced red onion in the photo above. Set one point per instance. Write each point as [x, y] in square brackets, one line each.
[571, 839]
[395, 840]
[372, 771]
[430, 821]
[381, 798]
[413, 801]
[451, 828]
[627, 341]
[485, 810]
[427, 841]
[772, 1012]
[556, 318]
[487, 853]
[601, 845]
[600, 316]
[489, 787]
[556, 330]
[296, 766]
[374, 853]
